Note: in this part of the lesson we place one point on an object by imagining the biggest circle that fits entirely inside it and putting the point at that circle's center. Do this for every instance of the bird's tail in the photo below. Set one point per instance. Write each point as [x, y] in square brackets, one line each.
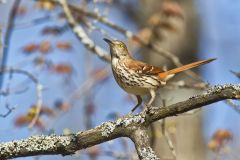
[168, 74]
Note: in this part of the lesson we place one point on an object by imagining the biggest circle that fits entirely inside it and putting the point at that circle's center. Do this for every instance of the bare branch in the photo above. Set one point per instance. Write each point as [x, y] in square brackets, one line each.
[39, 88]
[7, 36]
[142, 144]
[9, 110]
[237, 74]
[81, 34]
[123, 127]
[235, 106]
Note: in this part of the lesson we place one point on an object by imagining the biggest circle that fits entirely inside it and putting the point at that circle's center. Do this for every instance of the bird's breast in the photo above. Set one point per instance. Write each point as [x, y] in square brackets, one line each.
[133, 82]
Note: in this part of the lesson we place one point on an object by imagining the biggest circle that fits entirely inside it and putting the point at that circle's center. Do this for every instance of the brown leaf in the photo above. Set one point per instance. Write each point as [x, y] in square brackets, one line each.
[30, 48]
[25, 120]
[22, 120]
[47, 111]
[45, 47]
[222, 135]
[62, 68]
[64, 45]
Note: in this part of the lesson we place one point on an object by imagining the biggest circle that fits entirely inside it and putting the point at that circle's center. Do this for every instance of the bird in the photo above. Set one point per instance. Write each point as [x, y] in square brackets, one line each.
[139, 78]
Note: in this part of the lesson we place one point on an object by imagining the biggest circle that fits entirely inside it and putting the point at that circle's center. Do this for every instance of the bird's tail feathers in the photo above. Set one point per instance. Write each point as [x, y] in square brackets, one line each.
[169, 74]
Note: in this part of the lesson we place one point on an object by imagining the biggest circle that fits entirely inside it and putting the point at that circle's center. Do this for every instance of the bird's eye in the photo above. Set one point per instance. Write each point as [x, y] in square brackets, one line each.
[121, 45]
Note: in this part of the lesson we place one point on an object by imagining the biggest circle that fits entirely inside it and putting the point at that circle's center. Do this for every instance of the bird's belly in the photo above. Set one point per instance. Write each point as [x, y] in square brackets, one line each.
[136, 90]
[134, 83]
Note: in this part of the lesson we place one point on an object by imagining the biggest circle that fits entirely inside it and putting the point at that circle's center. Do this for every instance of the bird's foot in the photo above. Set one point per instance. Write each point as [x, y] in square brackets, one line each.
[149, 107]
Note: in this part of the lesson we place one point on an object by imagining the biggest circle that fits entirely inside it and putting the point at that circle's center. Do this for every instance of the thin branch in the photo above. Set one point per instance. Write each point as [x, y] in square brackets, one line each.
[235, 106]
[82, 35]
[166, 134]
[7, 36]
[39, 88]
[237, 74]
[9, 111]
[123, 127]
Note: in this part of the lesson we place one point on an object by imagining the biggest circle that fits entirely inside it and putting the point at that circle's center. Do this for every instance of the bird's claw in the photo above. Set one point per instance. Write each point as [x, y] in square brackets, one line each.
[148, 108]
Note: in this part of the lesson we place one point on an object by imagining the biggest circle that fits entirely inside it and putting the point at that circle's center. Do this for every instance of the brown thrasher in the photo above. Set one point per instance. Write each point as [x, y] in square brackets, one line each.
[139, 78]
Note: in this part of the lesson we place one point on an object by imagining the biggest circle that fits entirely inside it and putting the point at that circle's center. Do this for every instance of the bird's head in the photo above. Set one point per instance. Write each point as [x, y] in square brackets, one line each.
[117, 48]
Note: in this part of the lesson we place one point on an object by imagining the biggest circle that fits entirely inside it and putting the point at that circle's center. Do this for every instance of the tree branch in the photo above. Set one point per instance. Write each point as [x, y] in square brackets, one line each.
[7, 36]
[142, 144]
[81, 34]
[123, 127]
[39, 88]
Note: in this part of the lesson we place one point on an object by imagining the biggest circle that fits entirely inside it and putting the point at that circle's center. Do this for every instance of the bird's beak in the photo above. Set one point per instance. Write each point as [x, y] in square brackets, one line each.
[108, 41]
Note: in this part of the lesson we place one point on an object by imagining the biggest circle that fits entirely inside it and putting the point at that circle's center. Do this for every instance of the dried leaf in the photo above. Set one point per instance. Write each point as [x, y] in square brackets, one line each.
[30, 48]
[61, 68]
[25, 120]
[45, 47]
[47, 111]
[64, 45]
[22, 121]
[222, 135]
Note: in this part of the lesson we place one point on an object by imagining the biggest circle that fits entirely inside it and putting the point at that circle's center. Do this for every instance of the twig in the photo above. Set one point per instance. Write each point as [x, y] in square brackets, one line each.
[235, 106]
[10, 109]
[166, 134]
[81, 34]
[39, 88]
[7, 36]
[237, 74]
[7, 92]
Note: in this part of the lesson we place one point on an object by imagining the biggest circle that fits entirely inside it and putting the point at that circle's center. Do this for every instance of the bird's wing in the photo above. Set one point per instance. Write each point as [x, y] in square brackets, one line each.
[143, 68]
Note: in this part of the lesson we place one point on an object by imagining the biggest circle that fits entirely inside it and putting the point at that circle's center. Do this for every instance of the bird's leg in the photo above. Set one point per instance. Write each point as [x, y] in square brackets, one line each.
[139, 102]
[153, 96]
